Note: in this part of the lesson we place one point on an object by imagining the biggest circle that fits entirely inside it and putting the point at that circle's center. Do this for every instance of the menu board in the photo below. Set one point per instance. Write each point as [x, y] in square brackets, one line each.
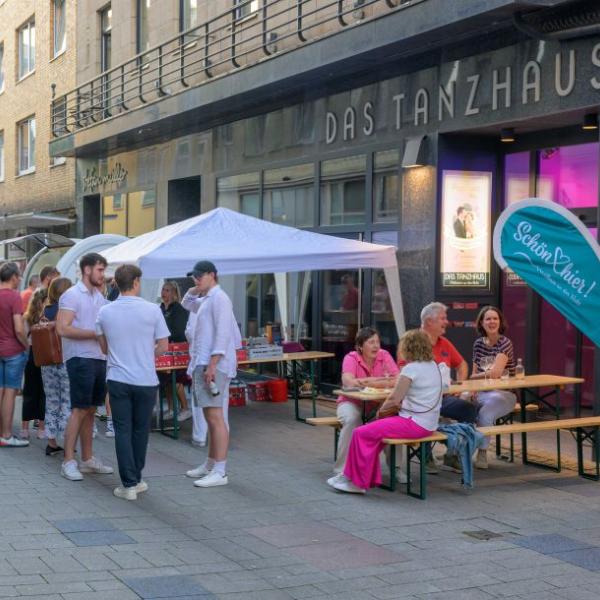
[466, 227]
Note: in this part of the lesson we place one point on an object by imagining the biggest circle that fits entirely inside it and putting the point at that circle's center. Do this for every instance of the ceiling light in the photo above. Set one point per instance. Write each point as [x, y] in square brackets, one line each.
[507, 135]
[590, 122]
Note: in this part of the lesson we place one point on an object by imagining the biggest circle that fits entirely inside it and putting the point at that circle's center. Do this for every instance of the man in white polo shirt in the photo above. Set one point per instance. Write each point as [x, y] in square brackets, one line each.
[132, 332]
[78, 309]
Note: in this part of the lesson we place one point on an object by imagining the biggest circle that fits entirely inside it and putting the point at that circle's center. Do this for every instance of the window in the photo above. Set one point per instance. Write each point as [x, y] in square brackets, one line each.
[386, 186]
[59, 24]
[1, 155]
[26, 145]
[343, 191]
[1, 68]
[240, 193]
[189, 14]
[143, 12]
[105, 39]
[27, 49]
[245, 8]
[58, 160]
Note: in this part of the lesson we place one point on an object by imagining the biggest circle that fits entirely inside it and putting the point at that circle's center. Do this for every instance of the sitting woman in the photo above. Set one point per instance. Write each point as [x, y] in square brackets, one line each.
[495, 351]
[414, 405]
[367, 366]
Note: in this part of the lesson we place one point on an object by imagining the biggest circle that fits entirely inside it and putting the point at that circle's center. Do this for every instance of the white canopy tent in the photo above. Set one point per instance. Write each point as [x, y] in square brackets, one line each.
[239, 245]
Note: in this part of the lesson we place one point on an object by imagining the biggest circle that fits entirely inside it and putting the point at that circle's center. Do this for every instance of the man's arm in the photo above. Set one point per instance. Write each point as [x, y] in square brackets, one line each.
[190, 300]
[462, 371]
[64, 327]
[103, 344]
[161, 347]
[20, 329]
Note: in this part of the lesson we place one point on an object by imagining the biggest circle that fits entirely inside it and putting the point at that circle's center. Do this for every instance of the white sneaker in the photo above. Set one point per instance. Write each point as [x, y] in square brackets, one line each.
[212, 479]
[199, 443]
[333, 480]
[127, 493]
[95, 431]
[168, 416]
[481, 462]
[142, 486]
[95, 465]
[184, 415]
[70, 471]
[110, 429]
[201, 471]
[345, 485]
[13, 442]
[401, 476]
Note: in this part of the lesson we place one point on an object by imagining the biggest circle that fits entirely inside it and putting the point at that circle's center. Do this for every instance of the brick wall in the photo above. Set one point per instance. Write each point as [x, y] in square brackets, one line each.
[49, 188]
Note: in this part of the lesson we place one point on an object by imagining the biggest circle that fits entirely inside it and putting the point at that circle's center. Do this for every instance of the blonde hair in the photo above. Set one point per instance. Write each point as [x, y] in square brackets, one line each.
[415, 346]
[175, 287]
[57, 288]
[35, 308]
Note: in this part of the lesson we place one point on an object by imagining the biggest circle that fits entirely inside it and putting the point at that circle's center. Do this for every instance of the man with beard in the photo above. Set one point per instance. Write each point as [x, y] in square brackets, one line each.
[86, 364]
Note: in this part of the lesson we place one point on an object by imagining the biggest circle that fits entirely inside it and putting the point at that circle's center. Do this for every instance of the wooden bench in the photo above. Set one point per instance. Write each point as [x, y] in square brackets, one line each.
[586, 429]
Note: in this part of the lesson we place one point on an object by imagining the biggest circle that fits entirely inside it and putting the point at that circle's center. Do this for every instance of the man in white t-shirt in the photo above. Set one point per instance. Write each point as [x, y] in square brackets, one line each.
[131, 331]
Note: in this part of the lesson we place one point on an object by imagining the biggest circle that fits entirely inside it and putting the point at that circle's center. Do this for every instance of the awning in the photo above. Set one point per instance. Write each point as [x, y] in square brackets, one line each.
[32, 219]
[49, 240]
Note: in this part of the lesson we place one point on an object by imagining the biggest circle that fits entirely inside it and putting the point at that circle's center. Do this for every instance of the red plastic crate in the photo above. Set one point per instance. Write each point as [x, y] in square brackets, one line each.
[164, 361]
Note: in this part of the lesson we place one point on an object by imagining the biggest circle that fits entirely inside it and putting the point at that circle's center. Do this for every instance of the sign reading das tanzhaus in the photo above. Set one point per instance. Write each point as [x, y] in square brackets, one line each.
[516, 79]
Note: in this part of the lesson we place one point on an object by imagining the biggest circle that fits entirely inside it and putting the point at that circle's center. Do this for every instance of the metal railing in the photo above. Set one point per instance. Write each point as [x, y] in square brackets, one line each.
[228, 42]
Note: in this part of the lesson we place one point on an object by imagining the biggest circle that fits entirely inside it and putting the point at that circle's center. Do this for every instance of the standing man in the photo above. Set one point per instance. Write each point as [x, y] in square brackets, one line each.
[460, 229]
[34, 282]
[13, 351]
[78, 310]
[214, 363]
[47, 275]
[132, 332]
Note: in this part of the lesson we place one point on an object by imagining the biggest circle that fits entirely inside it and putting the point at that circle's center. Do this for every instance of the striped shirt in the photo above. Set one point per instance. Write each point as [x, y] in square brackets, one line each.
[482, 349]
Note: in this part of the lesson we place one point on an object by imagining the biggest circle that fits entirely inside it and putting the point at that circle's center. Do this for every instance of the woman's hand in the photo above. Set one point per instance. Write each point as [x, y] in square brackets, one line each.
[390, 407]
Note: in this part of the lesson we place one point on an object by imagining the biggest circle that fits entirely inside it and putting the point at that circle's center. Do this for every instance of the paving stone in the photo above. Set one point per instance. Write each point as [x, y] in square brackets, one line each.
[89, 524]
[549, 544]
[173, 586]
[99, 538]
[587, 558]
[286, 536]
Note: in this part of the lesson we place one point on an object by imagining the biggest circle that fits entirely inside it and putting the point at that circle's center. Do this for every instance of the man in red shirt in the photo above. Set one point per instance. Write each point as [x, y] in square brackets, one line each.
[13, 350]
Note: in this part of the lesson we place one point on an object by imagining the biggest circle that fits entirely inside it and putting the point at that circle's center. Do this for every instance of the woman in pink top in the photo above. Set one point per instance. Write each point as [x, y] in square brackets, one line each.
[370, 366]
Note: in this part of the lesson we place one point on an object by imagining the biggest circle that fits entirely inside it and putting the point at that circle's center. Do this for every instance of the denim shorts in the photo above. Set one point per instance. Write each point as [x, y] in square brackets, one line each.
[87, 381]
[11, 370]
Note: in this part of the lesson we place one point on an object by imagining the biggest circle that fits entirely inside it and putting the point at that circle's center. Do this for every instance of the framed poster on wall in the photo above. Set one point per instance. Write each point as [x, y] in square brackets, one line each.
[465, 254]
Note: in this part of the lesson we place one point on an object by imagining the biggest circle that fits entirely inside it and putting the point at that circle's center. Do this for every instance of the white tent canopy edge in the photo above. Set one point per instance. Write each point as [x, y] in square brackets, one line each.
[240, 245]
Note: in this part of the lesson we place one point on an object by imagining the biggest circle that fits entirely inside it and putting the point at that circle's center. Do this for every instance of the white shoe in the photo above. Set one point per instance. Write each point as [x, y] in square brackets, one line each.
[184, 415]
[110, 429]
[127, 493]
[213, 479]
[481, 462]
[199, 444]
[142, 486]
[333, 480]
[401, 476]
[70, 471]
[95, 465]
[13, 442]
[168, 416]
[345, 485]
[95, 431]
[197, 473]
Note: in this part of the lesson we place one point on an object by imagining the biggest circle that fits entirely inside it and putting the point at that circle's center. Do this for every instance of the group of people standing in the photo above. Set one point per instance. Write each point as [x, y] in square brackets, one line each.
[418, 380]
[112, 346]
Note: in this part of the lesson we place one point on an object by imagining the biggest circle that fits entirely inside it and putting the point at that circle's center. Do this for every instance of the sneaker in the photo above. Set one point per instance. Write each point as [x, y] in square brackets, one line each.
[212, 479]
[197, 473]
[184, 415]
[345, 485]
[101, 413]
[401, 476]
[168, 416]
[142, 486]
[335, 479]
[199, 444]
[24, 434]
[13, 442]
[110, 429]
[481, 462]
[70, 471]
[431, 467]
[53, 450]
[451, 463]
[95, 465]
[95, 431]
[127, 493]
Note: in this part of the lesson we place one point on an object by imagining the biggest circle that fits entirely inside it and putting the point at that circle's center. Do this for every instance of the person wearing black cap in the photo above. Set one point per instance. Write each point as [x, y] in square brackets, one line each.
[213, 365]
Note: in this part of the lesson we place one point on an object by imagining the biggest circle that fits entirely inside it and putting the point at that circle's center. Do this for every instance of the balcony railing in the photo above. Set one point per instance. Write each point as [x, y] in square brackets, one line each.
[245, 35]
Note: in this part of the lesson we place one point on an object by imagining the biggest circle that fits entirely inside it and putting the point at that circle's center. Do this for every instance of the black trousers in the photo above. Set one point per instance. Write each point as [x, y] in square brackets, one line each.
[460, 410]
[131, 407]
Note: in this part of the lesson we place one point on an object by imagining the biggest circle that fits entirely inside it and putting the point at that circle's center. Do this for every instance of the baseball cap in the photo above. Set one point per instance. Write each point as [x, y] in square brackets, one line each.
[201, 267]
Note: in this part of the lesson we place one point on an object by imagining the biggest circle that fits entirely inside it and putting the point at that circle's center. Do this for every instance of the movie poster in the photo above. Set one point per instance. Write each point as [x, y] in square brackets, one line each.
[465, 244]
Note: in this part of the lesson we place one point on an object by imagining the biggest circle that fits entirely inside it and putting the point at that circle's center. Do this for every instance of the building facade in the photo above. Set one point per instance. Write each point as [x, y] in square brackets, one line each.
[405, 123]
[37, 60]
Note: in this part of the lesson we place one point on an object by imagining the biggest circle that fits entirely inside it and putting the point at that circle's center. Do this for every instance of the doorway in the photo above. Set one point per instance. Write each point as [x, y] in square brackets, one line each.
[184, 199]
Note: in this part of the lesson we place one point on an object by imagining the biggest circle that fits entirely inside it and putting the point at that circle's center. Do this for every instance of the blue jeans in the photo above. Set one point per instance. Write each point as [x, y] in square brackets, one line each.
[458, 409]
[11, 370]
[131, 407]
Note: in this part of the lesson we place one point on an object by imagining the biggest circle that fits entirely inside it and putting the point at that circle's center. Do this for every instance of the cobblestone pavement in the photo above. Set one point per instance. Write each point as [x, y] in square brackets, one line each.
[278, 531]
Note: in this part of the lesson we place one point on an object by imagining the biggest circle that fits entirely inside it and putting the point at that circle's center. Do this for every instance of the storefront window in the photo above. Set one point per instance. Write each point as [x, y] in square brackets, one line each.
[343, 191]
[569, 175]
[382, 316]
[386, 186]
[288, 196]
[240, 193]
[516, 177]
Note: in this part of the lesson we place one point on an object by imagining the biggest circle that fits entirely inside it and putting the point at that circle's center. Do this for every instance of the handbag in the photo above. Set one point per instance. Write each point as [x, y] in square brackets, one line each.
[46, 344]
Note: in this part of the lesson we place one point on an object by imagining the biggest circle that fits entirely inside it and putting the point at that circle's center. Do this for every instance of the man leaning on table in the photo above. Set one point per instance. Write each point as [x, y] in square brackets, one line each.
[131, 331]
[434, 321]
[214, 363]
